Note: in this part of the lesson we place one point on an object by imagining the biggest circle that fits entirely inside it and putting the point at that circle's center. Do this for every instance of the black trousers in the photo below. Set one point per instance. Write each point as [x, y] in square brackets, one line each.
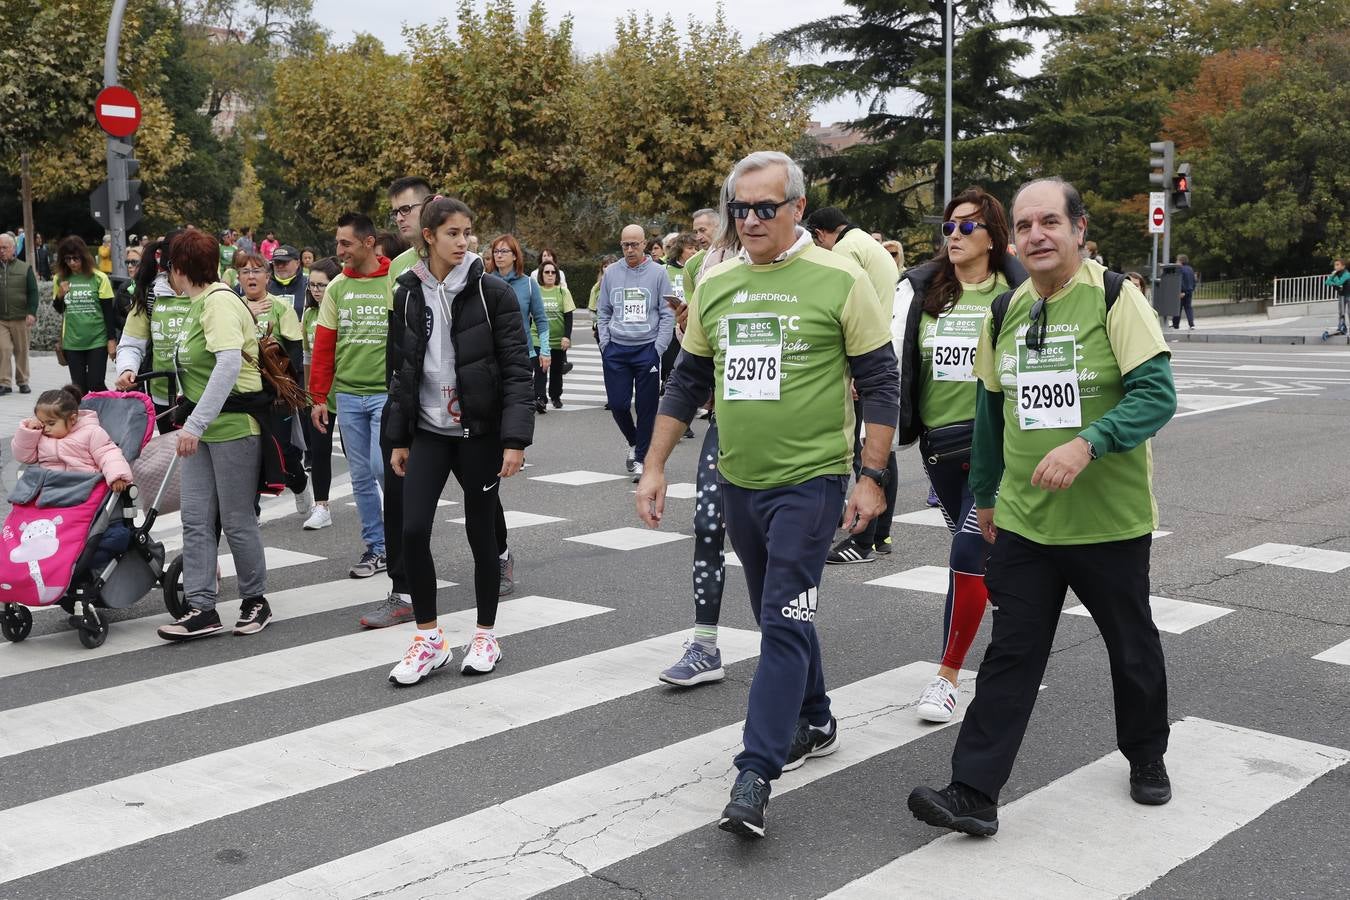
[549, 385]
[879, 528]
[88, 368]
[393, 514]
[320, 446]
[475, 463]
[1027, 583]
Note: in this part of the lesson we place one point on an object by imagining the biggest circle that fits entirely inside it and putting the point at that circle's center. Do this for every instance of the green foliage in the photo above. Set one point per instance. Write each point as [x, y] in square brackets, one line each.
[246, 205]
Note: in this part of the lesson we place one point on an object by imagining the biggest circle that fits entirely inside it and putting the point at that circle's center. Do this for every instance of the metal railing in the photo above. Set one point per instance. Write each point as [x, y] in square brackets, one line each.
[1303, 289]
[1232, 290]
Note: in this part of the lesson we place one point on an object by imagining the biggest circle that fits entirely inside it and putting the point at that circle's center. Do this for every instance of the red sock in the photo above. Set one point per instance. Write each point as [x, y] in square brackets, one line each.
[968, 601]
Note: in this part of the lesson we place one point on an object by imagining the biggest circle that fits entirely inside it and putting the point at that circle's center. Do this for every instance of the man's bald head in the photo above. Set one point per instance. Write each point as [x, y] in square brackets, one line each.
[633, 242]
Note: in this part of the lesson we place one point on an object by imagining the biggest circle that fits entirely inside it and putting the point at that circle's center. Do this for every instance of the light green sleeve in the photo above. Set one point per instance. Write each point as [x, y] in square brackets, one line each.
[695, 337]
[864, 327]
[1133, 330]
[568, 304]
[986, 366]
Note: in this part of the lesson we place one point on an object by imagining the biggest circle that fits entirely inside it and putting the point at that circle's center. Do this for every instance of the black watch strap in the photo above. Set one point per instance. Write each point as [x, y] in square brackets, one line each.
[880, 476]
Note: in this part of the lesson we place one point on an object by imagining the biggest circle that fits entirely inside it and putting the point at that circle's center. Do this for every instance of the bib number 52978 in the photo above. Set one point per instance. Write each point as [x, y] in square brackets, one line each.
[753, 366]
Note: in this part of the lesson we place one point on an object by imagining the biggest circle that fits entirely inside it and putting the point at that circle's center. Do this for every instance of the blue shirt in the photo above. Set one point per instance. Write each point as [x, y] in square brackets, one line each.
[531, 306]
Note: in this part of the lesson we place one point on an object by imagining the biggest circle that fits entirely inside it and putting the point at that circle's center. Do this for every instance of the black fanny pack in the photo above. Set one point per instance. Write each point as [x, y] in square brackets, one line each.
[950, 443]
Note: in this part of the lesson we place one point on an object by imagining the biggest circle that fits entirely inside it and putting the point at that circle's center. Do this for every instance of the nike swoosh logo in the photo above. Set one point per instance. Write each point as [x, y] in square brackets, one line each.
[489, 487]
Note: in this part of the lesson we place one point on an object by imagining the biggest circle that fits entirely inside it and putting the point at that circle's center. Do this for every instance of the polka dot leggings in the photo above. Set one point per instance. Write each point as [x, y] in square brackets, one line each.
[709, 535]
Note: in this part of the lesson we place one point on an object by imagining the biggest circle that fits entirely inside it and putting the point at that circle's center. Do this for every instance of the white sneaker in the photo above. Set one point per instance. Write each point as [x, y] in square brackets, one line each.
[937, 703]
[481, 655]
[423, 658]
[637, 472]
[304, 501]
[630, 459]
[319, 517]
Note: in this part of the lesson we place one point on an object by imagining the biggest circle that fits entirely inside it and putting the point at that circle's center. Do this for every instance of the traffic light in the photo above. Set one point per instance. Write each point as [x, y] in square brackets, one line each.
[1163, 156]
[1181, 187]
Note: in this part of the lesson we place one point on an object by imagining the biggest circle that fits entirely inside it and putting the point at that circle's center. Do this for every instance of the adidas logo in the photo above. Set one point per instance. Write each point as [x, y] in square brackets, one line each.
[656, 370]
[802, 607]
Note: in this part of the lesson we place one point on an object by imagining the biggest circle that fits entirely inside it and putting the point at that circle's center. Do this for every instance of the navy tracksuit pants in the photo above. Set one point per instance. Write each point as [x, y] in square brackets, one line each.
[782, 536]
[629, 367]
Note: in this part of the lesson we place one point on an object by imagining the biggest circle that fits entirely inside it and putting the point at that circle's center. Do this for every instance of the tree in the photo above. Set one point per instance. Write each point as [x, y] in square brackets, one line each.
[895, 52]
[246, 205]
[664, 115]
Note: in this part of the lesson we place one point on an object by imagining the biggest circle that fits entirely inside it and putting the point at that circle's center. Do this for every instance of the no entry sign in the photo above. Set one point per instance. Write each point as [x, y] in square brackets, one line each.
[118, 111]
[1157, 216]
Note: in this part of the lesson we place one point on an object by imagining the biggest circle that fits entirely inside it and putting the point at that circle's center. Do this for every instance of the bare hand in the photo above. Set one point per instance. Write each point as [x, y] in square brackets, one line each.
[853, 389]
[1061, 465]
[112, 349]
[986, 520]
[398, 461]
[651, 497]
[30, 321]
[120, 485]
[865, 503]
[187, 443]
[567, 343]
[682, 317]
[126, 381]
[318, 417]
[34, 424]
[545, 362]
[512, 462]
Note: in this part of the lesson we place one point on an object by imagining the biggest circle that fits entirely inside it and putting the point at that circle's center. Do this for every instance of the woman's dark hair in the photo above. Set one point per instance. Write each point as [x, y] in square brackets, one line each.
[65, 402]
[606, 261]
[434, 213]
[311, 251]
[328, 266]
[681, 242]
[655, 244]
[391, 242]
[195, 255]
[74, 245]
[945, 288]
[549, 265]
[145, 279]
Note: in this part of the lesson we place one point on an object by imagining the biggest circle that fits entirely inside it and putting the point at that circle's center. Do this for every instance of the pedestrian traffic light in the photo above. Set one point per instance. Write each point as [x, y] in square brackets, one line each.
[1163, 154]
[1181, 187]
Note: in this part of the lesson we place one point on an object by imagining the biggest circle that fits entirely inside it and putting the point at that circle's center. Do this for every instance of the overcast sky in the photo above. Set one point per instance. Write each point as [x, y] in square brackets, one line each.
[593, 24]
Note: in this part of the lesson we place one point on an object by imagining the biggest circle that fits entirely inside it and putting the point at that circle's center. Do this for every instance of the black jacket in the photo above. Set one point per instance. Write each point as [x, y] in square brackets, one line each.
[296, 291]
[492, 365]
[911, 424]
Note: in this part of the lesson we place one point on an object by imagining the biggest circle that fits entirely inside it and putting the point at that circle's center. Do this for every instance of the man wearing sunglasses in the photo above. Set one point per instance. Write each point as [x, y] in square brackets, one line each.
[1073, 385]
[779, 331]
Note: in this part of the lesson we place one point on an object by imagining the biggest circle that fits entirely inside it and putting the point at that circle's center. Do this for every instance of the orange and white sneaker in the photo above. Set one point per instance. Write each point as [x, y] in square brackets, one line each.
[481, 655]
[424, 656]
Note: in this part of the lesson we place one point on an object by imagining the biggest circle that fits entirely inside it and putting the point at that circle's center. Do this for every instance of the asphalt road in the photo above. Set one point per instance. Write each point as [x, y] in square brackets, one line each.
[136, 771]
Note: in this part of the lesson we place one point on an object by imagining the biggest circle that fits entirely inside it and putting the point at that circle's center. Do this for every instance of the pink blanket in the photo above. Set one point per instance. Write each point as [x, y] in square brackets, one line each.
[39, 548]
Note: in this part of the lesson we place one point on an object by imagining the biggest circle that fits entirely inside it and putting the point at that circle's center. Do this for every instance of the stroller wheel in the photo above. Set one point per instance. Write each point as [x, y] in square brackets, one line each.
[93, 630]
[16, 622]
[175, 599]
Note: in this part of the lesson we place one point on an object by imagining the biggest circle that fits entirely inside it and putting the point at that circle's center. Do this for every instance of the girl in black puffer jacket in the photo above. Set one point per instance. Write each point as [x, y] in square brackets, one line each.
[461, 400]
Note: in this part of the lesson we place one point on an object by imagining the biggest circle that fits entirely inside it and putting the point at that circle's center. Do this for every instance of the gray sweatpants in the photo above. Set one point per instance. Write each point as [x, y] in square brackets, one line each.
[221, 479]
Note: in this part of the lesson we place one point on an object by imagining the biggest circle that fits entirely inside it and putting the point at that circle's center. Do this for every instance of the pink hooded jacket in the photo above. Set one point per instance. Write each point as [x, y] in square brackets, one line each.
[86, 448]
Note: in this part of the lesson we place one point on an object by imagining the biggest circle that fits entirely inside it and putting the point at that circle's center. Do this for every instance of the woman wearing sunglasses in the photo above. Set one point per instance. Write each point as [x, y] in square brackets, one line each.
[84, 296]
[948, 299]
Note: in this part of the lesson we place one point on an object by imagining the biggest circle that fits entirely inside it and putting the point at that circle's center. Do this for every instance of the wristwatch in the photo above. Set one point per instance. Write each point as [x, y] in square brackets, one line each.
[880, 476]
[1092, 449]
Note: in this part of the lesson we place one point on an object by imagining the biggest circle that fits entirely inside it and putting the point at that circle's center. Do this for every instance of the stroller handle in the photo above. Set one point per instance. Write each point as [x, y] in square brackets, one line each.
[147, 377]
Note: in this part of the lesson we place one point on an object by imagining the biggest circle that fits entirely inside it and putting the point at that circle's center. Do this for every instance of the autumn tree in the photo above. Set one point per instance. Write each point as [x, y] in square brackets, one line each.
[246, 205]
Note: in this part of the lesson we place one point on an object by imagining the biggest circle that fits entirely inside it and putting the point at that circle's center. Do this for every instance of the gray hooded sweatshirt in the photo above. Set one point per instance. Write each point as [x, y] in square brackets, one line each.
[632, 305]
[438, 395]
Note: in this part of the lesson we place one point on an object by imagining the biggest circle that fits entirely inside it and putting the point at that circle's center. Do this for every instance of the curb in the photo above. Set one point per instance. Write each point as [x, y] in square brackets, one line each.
[1192, 338]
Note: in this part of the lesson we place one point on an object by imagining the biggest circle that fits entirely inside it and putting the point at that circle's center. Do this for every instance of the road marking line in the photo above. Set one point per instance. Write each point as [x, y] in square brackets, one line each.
[1338, 654]
[517, 519]
[1172, 616]
[578, 477]
[276, 557]
[1082, 837]
[1294, 557]
[552, 836]
[628, 538]
[96, 712]
[929, 579]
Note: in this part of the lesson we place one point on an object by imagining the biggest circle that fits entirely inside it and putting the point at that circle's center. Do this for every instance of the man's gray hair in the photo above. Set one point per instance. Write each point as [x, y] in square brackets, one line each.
[1073, 201]
[705, 211]
[763, 159]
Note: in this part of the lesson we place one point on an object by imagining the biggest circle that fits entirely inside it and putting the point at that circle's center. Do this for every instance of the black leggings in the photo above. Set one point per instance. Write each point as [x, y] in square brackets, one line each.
[475, 463]
[549, 385]
[709, 535]
[320, 446]
[88, 368]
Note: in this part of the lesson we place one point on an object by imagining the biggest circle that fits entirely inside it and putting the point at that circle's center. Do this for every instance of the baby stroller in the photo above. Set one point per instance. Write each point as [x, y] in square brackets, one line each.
[51, 537]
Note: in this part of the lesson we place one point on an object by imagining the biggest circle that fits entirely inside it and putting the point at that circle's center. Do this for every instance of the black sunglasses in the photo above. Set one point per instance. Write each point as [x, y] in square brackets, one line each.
[765, 209]
[1039, 320]
[967, 228]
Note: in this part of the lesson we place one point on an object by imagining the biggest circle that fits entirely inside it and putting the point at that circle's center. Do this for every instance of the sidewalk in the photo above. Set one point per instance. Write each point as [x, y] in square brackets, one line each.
[44, 374]
[1255, 329]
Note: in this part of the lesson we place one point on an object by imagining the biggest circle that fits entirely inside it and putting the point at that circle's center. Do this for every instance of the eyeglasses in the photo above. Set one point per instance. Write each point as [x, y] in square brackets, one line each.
[967, 228]
[1039, 320]
[402, 212]
[630, 245]
[765, 209]
[316, 286]
[253, 271]
[497, 250]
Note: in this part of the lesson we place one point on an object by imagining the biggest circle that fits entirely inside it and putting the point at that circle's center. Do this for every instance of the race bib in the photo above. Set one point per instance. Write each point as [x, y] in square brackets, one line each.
[1047, 385]
[634, 306]
[754, 358]
[954, 346]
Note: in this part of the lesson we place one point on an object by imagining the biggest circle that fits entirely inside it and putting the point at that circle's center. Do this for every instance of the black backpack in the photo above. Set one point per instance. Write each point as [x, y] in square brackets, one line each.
[999, 308]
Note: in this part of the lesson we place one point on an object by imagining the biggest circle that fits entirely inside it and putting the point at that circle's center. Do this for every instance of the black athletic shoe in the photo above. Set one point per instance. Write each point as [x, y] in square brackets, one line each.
[957, 807]
[557, 404]
[197, 623]
[809, 743]
[1149, 783]
[848, 552]
[5, 389]
[744, 815]
[254, 616]
[25, 389]
[541, 407]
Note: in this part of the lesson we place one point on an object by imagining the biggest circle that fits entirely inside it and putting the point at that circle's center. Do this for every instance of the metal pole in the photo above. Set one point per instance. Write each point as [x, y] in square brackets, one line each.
[1167, 225]
[117, 188]
[947, 124]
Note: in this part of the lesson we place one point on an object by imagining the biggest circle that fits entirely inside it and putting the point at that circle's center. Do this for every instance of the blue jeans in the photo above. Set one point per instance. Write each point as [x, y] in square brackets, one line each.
[359, 419]
[631, 369]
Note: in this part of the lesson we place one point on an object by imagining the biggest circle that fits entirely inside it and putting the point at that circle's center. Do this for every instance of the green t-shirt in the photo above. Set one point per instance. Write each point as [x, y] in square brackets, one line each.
[693, 267]
[825, 310]
[595, 295]
[308, 323]
[83, 326]
[397, 266]
[947, 395]
[163, 329]
[358, 310]
[675, 274]
[281, 320]
[1111, 499]
[230, 277]
[873, 259]
[218, 320]
[227, 257]
[557, 302]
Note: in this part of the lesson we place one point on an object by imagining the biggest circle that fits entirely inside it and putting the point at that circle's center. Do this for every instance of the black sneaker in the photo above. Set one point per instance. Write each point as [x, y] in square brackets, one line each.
[809, 743]
[557, 404]
[744, 815]
[541, 407]
[688, 432]
[1149, 783]
[957, 807]
[254, 616]
[848, 552]
[5, 389]
[197, 623]
[883, 547]
[25, 389]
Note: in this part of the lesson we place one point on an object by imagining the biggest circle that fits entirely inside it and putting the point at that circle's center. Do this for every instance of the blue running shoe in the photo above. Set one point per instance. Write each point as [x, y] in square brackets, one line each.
[698, 665]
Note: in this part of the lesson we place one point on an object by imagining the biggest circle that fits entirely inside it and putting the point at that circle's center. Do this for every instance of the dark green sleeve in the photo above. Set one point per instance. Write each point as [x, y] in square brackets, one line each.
[32, 292]
[1149, 403]
[986, 452]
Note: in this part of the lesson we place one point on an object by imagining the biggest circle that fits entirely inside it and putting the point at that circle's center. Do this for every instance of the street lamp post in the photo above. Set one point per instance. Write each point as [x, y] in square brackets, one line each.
[947, 124]
[117, 215]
